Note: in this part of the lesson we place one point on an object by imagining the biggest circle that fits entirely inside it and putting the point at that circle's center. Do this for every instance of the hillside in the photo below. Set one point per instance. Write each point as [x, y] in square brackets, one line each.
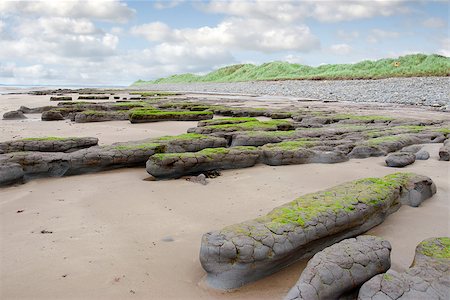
[405, 66]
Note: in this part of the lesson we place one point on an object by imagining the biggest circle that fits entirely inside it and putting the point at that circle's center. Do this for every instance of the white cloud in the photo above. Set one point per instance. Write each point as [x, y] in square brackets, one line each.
[259, 35]
[341, 49]
[434, 22]
[106, 10]
[293, 59]
[347, 35]
[159, 4]
[378, 34]
[324, 11]
[445, 44]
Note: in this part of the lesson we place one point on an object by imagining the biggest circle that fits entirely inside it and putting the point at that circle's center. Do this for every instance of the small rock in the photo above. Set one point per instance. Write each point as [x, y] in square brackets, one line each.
[422, 155]
[46, 231]
[167, 239]
[400, 160]
[14, 115]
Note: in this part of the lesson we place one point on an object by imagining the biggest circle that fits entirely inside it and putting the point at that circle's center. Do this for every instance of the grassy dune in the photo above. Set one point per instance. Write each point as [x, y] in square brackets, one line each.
[404, 66]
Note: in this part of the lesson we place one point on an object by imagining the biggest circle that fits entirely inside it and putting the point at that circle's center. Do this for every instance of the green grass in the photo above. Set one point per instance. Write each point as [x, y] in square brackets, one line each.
[409, 65]
[143, 146]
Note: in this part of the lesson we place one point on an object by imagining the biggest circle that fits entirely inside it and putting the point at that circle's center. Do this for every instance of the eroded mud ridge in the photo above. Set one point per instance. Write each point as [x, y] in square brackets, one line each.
[237, 137]
[342, 268]
[244, 252]
[427, 278]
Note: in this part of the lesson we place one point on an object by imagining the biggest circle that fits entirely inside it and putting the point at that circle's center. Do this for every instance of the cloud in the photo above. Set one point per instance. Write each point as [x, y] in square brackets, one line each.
[341, 49]
[378, 34]
[293, 59]
[167, 4]
[434, 22]
[105, 10]
[324, 11]
[347, 35]
[445, 44]
[259, 35]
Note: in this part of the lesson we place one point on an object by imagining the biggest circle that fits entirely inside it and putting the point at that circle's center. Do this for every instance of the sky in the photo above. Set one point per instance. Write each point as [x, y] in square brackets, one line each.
[118, 42]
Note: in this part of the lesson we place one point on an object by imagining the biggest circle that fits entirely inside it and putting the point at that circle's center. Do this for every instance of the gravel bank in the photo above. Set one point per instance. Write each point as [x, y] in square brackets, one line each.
[430, 91]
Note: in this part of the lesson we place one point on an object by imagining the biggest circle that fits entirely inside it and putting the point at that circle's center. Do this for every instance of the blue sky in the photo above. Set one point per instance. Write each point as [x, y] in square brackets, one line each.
[118, 42]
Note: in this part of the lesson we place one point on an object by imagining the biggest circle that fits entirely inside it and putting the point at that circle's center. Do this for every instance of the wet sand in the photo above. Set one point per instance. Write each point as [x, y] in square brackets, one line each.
[109, 229]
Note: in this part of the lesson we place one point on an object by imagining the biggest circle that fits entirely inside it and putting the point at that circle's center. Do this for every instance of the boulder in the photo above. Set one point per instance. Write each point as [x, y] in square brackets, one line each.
[14, 115]
[444, 151]
[400, 160]
[422, 155]
[342, 268]
[52, 115]
[365, 151]
[427, 278]
[10, 173]
[412, 149]
[48, 144]
[245, 252]
[174, 165]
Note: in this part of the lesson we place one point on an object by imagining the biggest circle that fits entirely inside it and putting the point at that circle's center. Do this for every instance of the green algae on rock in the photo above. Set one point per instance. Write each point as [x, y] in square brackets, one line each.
[250, 250]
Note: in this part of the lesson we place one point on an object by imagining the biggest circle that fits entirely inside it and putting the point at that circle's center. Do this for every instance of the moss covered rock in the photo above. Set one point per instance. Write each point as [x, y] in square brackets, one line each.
[427, 278]
[174, 165]
[247, 251]
[48, 144]
[150, 115]
[341, 268]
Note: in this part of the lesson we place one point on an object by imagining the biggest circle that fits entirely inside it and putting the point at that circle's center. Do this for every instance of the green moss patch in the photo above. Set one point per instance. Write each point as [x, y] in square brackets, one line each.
[436, 248]
[290, 145]
[186, 136]
[143, 113]
[208, 152]
[225, 121]
[143, 146]
[344, 197]
[250, 126]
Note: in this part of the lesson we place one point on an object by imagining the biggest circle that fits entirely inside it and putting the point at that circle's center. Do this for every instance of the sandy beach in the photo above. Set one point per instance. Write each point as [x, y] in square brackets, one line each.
[116, 235]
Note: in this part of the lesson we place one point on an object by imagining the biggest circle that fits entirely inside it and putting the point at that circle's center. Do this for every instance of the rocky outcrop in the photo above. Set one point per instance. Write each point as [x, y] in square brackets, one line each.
[174, 165]
[422, 155]
[342, 268]
[143, 116]
[35, 110]
[273, 125]
[48, 144]
[427, 278]
[52, 115]
[61, 98]
[97, 158]
[94, 159]
[444, 151]
[400, 159]
[14, 115]
[244, 252]
[10, 173]
[100, 116]
[299, 152]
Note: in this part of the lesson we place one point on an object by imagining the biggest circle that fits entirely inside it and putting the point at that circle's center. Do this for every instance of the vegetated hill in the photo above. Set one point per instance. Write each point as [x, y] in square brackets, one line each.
[404, 66]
